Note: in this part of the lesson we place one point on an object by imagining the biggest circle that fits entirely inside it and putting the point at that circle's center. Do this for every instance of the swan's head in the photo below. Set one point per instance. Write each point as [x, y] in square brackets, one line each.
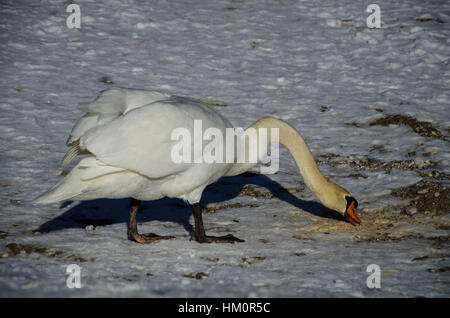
[341, 200]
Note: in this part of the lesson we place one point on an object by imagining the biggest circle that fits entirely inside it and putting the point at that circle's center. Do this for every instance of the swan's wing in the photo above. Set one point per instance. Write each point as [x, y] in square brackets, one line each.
[109, 105]
[141, 140]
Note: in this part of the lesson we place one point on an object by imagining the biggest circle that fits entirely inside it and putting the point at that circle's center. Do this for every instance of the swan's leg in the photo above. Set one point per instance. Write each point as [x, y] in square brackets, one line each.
[199, 230]
[133, 234]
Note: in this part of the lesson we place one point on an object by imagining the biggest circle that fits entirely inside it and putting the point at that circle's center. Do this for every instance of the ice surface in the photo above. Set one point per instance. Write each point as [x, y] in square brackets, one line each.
[296, 60]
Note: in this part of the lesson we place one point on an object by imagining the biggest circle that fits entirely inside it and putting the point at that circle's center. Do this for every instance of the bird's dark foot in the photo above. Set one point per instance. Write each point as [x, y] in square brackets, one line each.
[147, 238]
[217, 239]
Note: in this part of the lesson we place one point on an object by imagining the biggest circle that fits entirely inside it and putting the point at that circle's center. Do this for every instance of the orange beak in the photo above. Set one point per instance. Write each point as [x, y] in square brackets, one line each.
[350, 215]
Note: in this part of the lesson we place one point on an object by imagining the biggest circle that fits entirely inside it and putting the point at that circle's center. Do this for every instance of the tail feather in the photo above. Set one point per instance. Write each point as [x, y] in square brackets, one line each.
[84, 182]
[60, 192]
[67, 188]
[53, 196]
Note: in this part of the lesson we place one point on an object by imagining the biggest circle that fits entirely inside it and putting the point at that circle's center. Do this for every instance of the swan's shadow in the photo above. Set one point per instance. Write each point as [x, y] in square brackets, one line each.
[108, 211]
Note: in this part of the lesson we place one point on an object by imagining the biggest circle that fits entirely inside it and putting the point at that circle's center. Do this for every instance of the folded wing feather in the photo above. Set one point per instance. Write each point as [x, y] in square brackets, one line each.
[109, 105]
[130, 142]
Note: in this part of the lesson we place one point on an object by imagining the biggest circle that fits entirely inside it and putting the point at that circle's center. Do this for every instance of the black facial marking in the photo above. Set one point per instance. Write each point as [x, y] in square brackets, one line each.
[350, 200]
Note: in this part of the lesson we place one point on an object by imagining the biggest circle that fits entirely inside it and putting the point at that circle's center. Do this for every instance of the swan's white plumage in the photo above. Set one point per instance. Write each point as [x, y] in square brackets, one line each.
[109, 105]
[140, 141]
[127, 134]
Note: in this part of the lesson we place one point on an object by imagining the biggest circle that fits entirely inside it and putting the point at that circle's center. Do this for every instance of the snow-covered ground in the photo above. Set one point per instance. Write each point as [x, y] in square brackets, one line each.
[314, 64]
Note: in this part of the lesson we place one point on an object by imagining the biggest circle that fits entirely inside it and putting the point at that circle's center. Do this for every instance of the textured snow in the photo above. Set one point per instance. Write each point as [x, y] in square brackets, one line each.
[292, 59]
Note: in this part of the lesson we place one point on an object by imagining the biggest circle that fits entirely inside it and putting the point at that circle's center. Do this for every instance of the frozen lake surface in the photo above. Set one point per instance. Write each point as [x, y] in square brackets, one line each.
[373, 105]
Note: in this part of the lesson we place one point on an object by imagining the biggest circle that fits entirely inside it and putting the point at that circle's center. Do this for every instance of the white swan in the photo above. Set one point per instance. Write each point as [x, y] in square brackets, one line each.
[126, 134]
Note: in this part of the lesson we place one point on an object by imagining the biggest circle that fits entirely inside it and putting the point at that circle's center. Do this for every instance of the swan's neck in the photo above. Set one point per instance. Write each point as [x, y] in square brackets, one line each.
[294, 142]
